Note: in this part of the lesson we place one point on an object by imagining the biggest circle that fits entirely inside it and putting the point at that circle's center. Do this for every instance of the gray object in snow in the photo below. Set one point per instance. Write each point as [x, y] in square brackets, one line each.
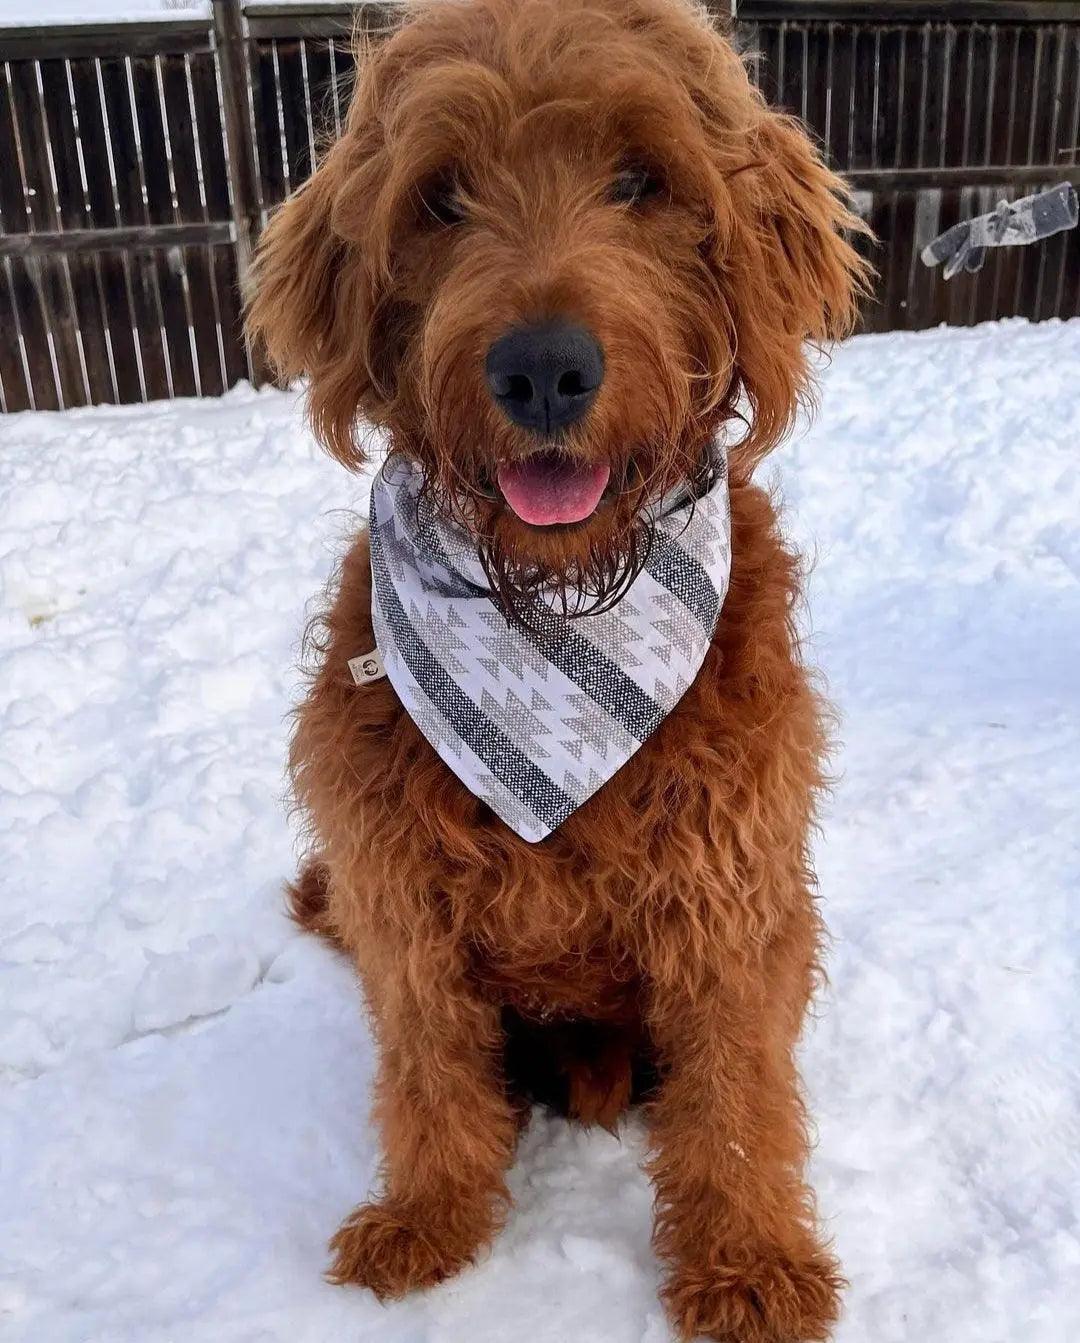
[1012, 224]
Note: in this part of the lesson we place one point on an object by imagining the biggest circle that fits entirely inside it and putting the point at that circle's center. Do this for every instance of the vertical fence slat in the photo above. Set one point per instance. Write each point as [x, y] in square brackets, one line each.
[1053, 256]
[295, 122]
[32, 160]
[958, 293]
[341, 70]
[150, 133]
[793, 41]
[227, 277]
[200, 294]
[123, 149]
[985, 56]
[233, 55]
[208, 148]
[82, 285]
[1030, 281]
[1064, 151]
[79, 275]
[769, 46]
[18, 394]
[949, 300]
[114, 271]
[278, 118]
[267, 139]
[320, 78]
[889, 96]
[109, 274]
[180, 128]
[47, 278]
[1011, 124]
[12, 199]
[70, 203]
[26, 296]
[92, 136]
[170, 113]
[865, 59]
[160, 208]
[841, 87]
[131, 196]
[146, 305]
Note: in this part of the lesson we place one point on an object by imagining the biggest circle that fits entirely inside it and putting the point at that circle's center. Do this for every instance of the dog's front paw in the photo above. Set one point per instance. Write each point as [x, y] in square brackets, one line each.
[766, 1298]
[394, 1250]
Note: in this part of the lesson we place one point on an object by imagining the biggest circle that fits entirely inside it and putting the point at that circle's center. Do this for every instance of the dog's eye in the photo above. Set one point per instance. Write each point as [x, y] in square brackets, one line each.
[440, 200]
[635, 185]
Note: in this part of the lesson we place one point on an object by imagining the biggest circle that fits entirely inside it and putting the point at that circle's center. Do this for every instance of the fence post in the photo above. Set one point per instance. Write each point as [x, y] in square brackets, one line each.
[231, 47]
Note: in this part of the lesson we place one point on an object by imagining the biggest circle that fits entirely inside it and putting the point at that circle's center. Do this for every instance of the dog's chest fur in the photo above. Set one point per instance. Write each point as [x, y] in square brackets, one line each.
[667, 840]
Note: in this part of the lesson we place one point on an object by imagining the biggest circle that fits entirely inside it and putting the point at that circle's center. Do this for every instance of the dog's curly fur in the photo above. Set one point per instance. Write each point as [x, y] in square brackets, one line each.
[662, 944]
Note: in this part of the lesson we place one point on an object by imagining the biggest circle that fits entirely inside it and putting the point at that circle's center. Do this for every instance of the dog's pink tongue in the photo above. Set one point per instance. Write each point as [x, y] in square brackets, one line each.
[546, 489]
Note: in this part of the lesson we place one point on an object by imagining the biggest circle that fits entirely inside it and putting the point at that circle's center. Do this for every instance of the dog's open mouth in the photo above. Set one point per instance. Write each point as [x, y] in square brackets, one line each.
[549, 488]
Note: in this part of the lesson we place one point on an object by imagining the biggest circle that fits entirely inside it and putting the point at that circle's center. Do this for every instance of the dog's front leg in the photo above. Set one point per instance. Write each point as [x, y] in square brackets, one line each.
[734, 1217]
[447, 1128]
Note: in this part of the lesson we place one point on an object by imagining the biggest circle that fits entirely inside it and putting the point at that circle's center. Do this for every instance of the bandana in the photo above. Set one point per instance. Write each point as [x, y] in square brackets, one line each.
[534, 717]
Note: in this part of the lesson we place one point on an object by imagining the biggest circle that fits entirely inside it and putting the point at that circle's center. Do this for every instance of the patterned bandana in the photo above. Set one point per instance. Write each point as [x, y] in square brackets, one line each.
[534, 719]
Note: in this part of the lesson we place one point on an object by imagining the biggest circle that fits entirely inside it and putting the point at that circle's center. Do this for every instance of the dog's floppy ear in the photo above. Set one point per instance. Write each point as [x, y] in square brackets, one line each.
[787, 270]
[290, 307]
[316, 301]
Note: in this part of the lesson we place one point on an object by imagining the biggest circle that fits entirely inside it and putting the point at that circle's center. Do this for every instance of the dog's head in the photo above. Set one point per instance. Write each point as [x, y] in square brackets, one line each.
[557, 246]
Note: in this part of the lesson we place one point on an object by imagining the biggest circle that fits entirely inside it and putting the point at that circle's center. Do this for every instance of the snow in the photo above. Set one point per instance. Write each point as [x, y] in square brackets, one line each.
[20, 13]
[185, 1080]
[35, 12]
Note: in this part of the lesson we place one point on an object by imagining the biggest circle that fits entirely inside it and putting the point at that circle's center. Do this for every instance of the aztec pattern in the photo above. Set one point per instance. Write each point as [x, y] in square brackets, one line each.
[534, 719]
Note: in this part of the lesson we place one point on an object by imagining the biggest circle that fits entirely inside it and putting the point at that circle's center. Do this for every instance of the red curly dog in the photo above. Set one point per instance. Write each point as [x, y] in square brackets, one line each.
[507, 163]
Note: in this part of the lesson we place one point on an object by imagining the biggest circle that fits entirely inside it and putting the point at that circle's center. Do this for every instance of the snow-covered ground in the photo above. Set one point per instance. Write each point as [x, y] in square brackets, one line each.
[184, 1087]
[21, 12]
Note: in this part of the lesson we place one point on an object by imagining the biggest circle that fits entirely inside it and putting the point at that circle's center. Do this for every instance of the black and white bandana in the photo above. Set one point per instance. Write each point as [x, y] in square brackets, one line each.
[534, 719]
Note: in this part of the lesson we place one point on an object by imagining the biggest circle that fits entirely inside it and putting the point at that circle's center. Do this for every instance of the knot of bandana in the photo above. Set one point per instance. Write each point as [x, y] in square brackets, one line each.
[533, 719]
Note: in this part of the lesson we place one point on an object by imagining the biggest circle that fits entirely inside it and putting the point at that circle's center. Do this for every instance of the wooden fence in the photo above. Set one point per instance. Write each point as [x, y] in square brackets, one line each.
[139, 161]
[934, 113]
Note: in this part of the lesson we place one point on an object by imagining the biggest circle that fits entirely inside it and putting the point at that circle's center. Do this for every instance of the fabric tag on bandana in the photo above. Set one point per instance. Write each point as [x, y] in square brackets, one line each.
[367, 667]
[534, 718]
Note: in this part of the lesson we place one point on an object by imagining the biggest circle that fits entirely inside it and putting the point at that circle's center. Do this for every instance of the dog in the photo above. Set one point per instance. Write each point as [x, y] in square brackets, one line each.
[560, 251]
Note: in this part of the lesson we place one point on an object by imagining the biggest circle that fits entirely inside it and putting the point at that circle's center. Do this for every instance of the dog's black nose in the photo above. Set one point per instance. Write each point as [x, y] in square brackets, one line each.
[544, 377]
